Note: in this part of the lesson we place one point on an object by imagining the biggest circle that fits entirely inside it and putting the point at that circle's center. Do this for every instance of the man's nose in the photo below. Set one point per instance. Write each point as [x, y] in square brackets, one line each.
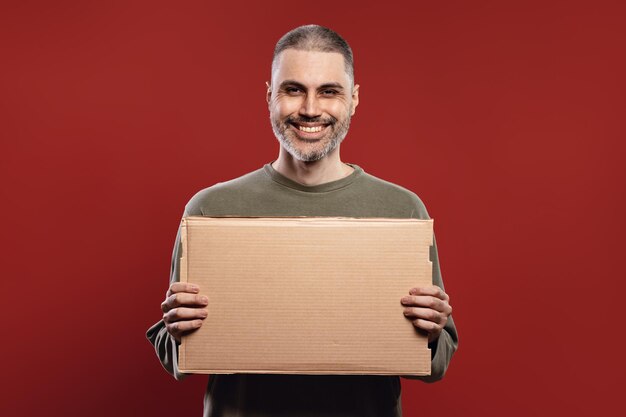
[310, 106]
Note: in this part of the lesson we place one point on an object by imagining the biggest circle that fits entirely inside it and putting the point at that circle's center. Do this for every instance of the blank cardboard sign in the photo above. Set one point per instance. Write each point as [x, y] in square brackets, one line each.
[306, 295]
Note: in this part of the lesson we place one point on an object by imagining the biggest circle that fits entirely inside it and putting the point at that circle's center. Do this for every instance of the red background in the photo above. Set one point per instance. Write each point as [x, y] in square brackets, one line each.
[507, 118]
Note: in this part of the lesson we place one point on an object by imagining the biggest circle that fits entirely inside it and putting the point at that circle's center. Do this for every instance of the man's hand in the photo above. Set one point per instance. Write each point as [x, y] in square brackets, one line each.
[428, 308]
[183, 309]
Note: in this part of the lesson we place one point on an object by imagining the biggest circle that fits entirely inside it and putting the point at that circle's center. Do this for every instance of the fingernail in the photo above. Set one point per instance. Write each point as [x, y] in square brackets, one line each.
[204, 300]
[404, 299]
[194, 288]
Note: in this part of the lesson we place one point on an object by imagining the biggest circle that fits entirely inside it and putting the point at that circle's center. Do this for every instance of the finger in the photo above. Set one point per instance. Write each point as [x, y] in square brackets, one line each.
[183, 313]
[182, 287]
[433, 291]
[425, 314]
[178, 328]
[183, 299]
[425, 301]
[428, 326]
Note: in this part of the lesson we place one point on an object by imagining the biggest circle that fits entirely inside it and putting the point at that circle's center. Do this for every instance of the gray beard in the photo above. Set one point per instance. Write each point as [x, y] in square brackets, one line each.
[337, 135]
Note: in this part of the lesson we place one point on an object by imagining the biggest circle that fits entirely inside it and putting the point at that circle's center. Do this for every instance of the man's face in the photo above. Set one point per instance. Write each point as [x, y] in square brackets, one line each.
[311, 101]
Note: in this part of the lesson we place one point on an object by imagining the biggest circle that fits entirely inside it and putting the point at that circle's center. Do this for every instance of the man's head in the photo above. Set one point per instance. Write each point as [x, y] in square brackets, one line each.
[312, 95]
[315, 38]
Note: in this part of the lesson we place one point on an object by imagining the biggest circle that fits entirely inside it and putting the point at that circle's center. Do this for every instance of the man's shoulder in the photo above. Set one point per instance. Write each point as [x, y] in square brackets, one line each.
[225, 191]
[388, 187]
[393, 194]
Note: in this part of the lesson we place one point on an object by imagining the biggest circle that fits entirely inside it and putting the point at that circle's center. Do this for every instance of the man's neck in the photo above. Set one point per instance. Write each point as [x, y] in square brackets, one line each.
[330, 168]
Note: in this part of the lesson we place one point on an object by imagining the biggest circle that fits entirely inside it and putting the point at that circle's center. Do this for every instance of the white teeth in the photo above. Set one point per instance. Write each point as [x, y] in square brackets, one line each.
[310, 129]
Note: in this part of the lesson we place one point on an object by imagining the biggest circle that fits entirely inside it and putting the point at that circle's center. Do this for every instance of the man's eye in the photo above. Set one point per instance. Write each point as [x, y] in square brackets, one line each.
[292, 90]
[329, 92]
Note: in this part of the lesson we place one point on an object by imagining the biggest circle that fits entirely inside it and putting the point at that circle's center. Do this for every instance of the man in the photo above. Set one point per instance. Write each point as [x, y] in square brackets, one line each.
[311, 99]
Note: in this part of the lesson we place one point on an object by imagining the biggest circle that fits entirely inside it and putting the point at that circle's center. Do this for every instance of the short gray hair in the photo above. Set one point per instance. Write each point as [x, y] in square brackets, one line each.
[316, 38]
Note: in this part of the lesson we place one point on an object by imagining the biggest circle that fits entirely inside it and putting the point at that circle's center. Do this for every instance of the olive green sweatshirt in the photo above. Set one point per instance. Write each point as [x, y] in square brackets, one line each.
[266, 193]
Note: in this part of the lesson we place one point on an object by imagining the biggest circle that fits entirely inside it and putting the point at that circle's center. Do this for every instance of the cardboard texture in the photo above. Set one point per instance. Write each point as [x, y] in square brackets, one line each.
[306, 295]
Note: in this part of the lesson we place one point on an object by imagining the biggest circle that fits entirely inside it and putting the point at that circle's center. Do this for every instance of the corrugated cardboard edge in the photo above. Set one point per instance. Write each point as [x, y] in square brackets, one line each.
[307, 372]
[182, 356]
[184, 278]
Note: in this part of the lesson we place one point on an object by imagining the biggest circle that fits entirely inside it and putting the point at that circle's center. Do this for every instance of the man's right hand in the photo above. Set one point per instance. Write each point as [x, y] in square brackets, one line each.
[183, 309]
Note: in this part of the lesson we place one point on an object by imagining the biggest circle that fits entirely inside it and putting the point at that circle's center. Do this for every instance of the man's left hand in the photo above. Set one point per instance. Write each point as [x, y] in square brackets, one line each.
[428, 308]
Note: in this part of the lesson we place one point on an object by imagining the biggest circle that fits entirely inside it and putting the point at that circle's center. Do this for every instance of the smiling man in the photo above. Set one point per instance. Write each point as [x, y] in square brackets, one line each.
[311, 98]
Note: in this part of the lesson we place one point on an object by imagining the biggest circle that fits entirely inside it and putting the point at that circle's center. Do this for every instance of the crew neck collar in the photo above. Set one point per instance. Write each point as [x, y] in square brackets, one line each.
[320, 188]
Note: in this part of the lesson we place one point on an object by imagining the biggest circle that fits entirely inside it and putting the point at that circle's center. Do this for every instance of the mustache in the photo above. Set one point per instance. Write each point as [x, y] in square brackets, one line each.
[303, 119]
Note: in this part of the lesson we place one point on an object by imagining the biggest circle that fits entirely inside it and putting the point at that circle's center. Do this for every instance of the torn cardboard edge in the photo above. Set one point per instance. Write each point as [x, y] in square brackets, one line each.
[344, 267]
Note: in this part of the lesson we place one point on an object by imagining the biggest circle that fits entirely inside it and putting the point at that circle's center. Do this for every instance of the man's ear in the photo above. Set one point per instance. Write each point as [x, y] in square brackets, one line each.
[355, 98]
[268, 93]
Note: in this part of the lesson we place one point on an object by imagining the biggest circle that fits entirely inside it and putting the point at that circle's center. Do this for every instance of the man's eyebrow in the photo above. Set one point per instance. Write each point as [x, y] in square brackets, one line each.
[336, 86]
[294, 83]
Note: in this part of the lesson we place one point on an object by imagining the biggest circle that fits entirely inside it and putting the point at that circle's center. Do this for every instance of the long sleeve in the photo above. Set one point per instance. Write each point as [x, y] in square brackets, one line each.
[445, 346]
[267, 193]
[165, 346]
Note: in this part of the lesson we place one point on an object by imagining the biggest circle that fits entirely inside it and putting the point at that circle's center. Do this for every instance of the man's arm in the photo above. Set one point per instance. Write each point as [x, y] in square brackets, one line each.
[429, 310]
[183, 311]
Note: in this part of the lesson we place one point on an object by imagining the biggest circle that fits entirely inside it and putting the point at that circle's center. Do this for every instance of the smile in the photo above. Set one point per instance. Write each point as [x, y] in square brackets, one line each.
[309, 128]
[312, 129]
